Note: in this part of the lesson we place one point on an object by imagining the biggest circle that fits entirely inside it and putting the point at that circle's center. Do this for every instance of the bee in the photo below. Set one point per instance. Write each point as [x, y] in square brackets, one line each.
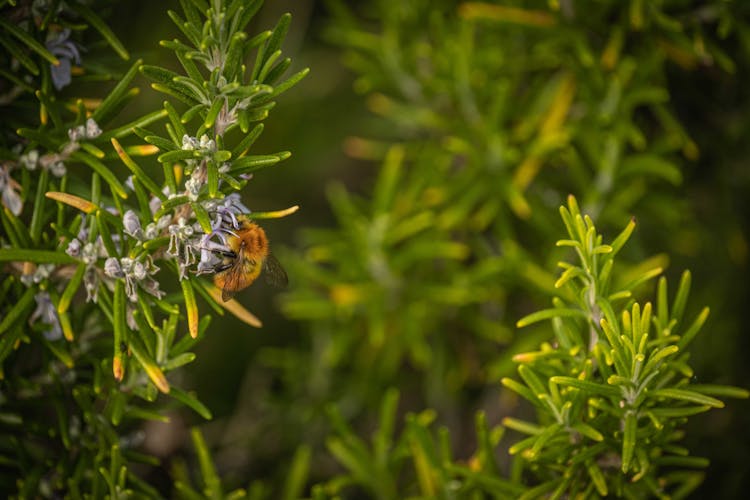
[249, 256]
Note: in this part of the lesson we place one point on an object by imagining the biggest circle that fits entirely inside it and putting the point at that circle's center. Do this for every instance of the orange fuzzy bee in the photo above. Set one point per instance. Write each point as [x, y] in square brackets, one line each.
[248, 257]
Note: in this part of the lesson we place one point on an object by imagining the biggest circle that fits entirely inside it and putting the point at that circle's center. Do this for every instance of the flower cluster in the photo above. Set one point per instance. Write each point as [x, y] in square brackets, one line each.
[89, 253]
[90, 130]
[33, 160]
[37, 274]
[193, 249]
[182, 244]
[136, 273]
[204, 144]
[132, 226]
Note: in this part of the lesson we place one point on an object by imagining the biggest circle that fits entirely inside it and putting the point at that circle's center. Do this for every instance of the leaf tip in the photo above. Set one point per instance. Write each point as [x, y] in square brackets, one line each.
[117, 369]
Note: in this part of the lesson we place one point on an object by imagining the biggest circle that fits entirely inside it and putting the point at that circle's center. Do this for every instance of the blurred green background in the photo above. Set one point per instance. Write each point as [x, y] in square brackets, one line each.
[258, 424]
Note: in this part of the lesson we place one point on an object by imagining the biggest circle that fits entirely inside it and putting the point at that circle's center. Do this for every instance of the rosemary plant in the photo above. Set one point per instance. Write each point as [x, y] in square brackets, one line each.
[91, 326]
[491, 113]
[611, 393]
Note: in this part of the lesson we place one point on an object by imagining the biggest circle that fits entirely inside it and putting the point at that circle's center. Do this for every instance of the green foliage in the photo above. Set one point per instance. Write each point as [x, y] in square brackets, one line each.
[614, 390]
[82, 371]
[611, 394]
[377, 468]
[508, 91]
[491, 114]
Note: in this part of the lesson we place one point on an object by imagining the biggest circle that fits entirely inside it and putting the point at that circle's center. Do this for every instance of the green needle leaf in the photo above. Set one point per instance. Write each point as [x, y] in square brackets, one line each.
[118, 306]
[208, 470]
[36, 256]
[191, 402]
[248, 164]
[628, 440]
[727, 391]
[213, 112]
[94, 20]
[587, 386]
[549, 314]
[35, 229]
[18, 311]
[191, 307]
[104, 171]
[116, 95]
[84, 206]
[597, 478]
[138, 172]
[71, 289]
[149, 365]
[21, 56]
[695, 327]
[685, 395]
[29, 41]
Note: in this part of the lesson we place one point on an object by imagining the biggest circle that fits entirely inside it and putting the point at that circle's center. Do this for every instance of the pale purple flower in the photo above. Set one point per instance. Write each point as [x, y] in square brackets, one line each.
[205, 143]
[224, 212]
[193, 185]
[151, 286]
[178, 234]
[112, 268]
[93, 251]
[57, 168]
[41, 273]
[88, 131]
[90, 254]
[52, 162]
[67, 53]
[154, 205]
[189, 143]
[130, 317]
[210, 251]
[76, 133]
[74, 248]
[29, 160]
[132, 225]
[91, 283]
[154, 229]
[92, 129]
[47, 313]
[9, 192]
[182, 245]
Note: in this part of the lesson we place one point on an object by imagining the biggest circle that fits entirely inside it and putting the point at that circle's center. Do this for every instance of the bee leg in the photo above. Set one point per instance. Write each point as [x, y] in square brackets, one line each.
[225, 253]
[222, 267]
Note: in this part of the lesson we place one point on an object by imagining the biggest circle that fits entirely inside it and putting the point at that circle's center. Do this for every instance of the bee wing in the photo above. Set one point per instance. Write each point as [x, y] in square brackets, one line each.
[232, 280]
[274, 273]
[226, 295]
